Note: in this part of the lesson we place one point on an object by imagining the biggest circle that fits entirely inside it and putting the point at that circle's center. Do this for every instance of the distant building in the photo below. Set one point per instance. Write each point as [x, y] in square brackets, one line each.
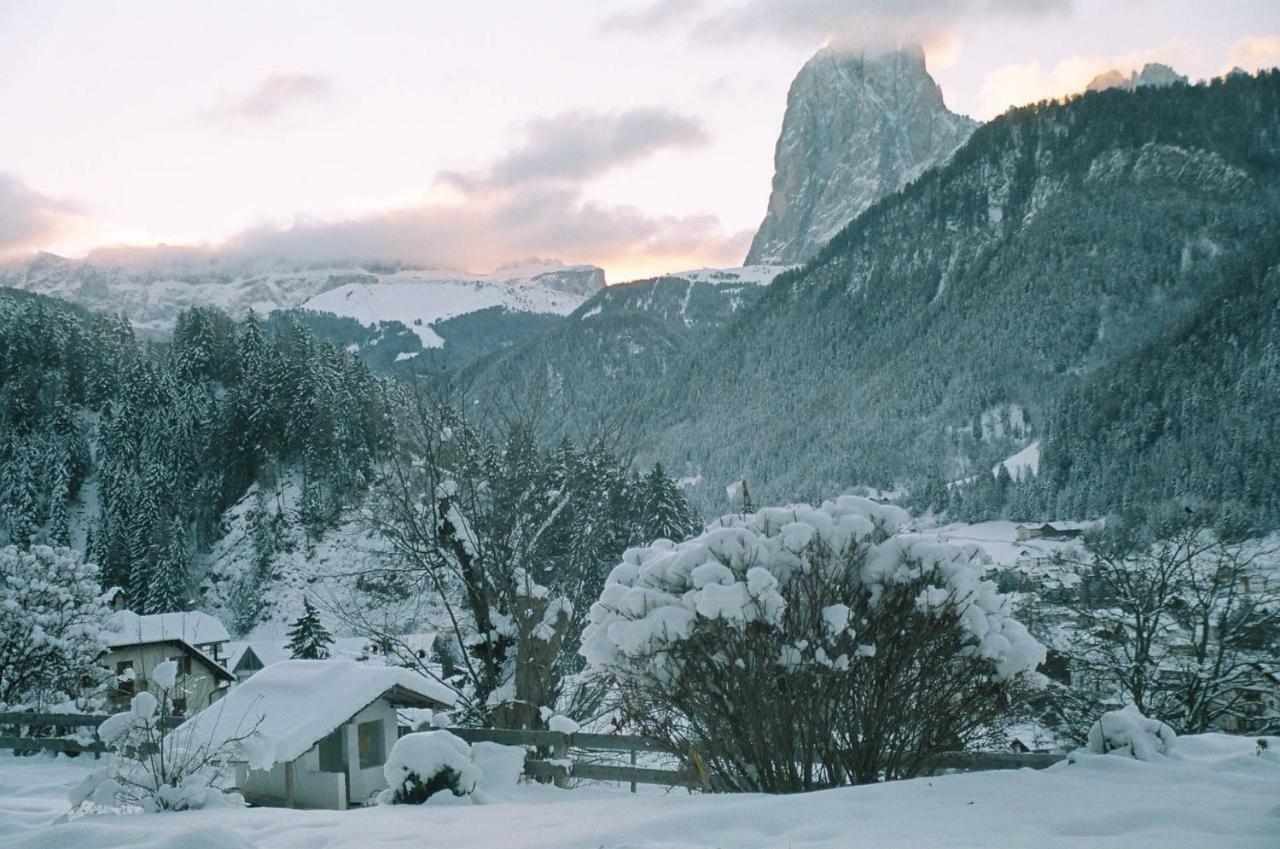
[1046, 531]
[331, 724]
[137, 644]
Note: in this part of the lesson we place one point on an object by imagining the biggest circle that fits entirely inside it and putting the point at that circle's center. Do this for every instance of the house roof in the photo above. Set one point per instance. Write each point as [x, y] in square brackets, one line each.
[218, 670]
[296, 703]
[267, 652]
[126, 628]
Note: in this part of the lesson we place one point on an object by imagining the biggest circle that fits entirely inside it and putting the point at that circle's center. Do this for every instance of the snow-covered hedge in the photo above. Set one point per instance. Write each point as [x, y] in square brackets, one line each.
[825, 614]
[423, 764]
[745, 570]
[1127, 732]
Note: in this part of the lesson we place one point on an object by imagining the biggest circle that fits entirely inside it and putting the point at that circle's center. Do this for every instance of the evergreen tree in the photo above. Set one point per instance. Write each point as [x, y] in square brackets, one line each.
[308, 638]
[168, 587]
[666, 514]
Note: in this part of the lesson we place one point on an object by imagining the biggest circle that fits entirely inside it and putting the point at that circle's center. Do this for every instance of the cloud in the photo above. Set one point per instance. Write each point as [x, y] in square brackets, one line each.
[576, 146]
[1028, 82]
[1254, 52]
[487, 229]
[530, 201]
[29, 219]
[652, 16]
[273, 95]
[864, 24]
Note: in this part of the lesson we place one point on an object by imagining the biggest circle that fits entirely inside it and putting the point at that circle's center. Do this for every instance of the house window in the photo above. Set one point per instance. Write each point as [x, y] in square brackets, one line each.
[124, 677]
[184, 663]
[333, 752]
[373, 750]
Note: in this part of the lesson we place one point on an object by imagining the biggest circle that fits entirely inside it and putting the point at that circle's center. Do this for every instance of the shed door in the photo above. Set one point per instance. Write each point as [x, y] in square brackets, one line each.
[333, 755]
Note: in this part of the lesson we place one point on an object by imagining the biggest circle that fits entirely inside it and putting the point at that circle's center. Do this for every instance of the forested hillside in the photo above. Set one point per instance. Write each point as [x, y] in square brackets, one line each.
[134, 450]
[1068, 251]
[628, 341]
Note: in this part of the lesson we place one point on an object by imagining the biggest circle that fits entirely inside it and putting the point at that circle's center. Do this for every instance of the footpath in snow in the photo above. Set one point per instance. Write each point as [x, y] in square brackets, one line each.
[1214, 793]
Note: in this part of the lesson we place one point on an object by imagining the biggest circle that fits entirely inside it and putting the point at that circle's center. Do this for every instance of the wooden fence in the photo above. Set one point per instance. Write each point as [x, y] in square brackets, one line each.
[560, 768]
[52, 732]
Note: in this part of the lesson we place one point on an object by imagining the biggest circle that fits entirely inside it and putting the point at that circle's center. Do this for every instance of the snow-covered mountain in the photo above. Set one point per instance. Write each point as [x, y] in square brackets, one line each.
[857, 128]
[420, 299]
[152, 292]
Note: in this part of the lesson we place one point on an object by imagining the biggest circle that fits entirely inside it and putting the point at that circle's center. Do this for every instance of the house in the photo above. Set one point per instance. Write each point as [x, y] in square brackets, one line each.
[244, 658]
[1046, 531]
[137, 644]
[330, 724]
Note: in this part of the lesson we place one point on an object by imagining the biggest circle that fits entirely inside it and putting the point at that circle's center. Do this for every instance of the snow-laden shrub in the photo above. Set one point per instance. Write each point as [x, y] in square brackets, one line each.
[159, 768]
[424, 763]
[805, 646]
[52, 618]
[1127, 732]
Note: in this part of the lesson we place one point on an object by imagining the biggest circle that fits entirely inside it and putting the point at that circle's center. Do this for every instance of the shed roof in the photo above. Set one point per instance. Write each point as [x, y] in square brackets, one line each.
[296, 703]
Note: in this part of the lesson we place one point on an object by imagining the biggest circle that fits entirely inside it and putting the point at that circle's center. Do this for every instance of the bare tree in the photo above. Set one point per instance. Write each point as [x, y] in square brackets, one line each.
[466, 516]
[1177, 625]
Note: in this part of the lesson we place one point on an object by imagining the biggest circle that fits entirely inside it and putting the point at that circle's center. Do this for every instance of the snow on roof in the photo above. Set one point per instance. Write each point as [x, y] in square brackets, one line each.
[127, 628]
[296, 703]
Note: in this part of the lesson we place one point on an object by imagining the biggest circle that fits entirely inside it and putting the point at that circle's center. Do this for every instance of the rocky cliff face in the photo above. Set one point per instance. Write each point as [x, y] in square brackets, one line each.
[857, 128]
[1152, 74]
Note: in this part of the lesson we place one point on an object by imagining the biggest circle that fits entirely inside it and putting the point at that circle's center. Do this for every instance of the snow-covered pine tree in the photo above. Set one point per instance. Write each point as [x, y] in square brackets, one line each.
[666, 514]
[308, 638]
[169, 586]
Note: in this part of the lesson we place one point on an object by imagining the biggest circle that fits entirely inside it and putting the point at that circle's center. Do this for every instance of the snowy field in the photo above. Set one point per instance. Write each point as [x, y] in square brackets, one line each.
[1215, 793]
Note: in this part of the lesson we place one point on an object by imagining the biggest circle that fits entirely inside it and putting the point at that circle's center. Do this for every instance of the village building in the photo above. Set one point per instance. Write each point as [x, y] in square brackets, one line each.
[1046, 531]
[137, 644]
[330, 723]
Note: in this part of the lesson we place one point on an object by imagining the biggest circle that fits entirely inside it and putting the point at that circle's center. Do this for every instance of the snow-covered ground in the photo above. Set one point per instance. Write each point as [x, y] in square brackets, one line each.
[759, 275]
[999, 540]
[420, 299]
[1214, 793]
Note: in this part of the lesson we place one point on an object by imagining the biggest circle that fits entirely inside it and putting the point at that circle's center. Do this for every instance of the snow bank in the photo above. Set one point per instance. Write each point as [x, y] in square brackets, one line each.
[1215, 794]
[740, 568]
[1128, 732]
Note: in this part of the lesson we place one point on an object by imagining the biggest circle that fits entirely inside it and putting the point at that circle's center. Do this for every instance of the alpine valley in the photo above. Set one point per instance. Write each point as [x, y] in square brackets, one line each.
[1063, 312]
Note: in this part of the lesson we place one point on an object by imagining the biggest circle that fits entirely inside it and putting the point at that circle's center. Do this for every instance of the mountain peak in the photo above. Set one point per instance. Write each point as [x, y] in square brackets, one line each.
[1152, 74]
[859, 125]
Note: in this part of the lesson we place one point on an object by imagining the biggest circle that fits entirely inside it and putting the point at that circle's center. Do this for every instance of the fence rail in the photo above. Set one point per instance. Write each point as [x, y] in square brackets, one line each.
[560, 768]
[48, 732]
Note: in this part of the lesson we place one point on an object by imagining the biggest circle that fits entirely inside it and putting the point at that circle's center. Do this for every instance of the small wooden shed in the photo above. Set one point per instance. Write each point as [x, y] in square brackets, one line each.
[329, 723]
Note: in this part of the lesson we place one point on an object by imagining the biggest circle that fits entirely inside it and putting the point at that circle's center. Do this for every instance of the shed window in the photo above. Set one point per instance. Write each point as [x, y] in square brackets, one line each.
[373, 749]
[333, 752]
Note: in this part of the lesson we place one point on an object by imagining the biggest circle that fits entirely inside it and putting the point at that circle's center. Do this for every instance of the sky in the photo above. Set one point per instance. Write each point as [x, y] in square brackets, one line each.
[637, 135]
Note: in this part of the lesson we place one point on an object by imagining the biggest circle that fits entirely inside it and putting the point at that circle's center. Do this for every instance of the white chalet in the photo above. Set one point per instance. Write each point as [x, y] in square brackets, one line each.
[137, 644]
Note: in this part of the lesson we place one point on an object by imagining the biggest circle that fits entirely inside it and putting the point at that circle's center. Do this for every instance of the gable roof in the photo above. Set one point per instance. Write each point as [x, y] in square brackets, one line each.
[126, 628]
[294, 704]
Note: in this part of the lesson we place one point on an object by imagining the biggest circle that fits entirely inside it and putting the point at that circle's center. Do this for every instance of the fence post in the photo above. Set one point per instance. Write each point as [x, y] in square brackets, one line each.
[633, 763]
[560, 752]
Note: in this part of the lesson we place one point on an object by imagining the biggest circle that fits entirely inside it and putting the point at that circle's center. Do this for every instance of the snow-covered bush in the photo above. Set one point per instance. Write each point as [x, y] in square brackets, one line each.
[801, 647]
[52, 618]
[1128, 732]
[159, 768]
[424, 763]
